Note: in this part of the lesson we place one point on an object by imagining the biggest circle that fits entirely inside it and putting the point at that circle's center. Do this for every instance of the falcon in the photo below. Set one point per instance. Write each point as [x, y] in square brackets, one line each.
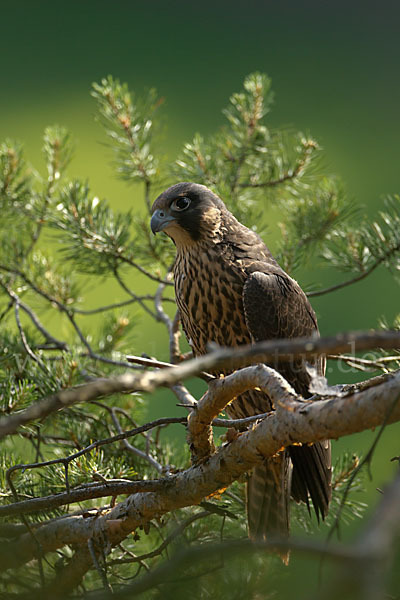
[231, 291]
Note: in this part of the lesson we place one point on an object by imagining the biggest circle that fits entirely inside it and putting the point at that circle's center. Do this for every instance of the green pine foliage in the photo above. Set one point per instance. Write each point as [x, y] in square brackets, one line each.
[359, 250]
[48, 342]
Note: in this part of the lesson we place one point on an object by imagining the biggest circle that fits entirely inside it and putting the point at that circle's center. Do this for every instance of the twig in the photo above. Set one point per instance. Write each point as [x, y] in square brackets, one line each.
[100, 309]
[149, 362]
[34, 318]
[130, 262]
[34, 287]
[363, 275]
[91, 353]
[101, 572]
[364, 363]
[184, 396]
[172, 325]
[157, 364]
[181, 527]
[25, 344]
[89, 492]
[132, 294]
[5, 312]
[161, 315]
[69, 313]
[152, 461]
[175, 334]
[122, 435]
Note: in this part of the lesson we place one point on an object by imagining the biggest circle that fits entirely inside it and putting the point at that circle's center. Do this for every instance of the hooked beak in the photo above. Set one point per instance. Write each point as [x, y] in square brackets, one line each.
[160, 220]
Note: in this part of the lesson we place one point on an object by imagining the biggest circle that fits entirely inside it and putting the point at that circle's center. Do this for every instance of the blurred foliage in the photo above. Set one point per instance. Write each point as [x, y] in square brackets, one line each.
[47, 342]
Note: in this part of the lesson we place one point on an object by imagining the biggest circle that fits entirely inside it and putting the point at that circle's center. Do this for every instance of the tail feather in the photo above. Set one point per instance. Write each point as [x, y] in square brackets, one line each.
[268, 492]
[311, 477]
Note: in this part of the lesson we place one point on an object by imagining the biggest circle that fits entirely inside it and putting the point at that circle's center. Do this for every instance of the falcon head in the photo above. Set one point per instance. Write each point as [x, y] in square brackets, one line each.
[188, 213]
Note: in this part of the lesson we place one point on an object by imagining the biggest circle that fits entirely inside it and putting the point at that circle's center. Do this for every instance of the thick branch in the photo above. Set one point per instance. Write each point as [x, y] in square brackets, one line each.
[220, 393]
[271, 351]
[291, 422]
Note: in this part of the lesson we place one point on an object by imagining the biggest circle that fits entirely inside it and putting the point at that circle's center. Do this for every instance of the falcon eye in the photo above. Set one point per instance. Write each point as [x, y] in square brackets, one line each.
[181, 203]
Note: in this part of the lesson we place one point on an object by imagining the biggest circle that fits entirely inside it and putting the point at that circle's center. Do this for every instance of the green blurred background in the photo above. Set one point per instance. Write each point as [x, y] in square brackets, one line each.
[335, 73]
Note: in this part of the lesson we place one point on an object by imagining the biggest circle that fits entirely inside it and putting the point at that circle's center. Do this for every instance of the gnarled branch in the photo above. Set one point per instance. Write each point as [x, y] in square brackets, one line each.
[292, 421]
[271, 351]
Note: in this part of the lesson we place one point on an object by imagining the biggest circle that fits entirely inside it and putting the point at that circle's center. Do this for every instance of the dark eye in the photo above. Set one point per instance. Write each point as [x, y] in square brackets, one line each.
[181, 203]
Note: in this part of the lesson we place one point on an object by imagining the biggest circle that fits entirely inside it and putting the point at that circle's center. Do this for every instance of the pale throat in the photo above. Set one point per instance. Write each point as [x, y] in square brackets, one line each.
[210, 233]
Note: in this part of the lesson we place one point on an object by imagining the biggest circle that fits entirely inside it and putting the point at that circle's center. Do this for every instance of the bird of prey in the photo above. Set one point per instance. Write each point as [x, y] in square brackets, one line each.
[231, 291]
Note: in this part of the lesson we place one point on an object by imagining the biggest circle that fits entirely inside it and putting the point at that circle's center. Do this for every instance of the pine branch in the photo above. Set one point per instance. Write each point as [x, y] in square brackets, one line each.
[387, 255]
[247, 164]
[308, 147]
[129, 124]
[271, 352]
[292, 422]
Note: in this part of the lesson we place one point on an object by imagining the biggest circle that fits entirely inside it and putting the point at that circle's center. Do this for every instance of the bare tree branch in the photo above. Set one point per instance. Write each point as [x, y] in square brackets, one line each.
[130, 262]
[80, 494]
[132, 294]
[172, 325]
[145, 456]
[364, 364]
[291, 422]
[25, 344]
[99, 309]
[34, 318]
[270, 351]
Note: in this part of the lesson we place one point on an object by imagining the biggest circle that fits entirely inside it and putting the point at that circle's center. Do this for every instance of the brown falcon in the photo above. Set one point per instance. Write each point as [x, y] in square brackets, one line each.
[231, 291]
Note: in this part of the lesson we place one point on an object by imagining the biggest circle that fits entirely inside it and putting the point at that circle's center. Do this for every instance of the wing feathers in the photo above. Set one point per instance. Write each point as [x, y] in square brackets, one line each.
[276, 307]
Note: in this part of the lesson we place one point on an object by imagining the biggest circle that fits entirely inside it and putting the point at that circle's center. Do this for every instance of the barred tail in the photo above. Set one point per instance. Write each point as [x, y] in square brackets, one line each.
[268, 492]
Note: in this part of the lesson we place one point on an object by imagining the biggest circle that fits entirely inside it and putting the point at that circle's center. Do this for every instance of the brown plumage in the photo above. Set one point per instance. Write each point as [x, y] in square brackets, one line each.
[231, 291]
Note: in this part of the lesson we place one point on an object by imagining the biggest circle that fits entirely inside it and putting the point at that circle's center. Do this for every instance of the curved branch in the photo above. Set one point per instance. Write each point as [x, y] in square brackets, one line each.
[271, 351]
[34, 318]
[291, 422]
[220, 393]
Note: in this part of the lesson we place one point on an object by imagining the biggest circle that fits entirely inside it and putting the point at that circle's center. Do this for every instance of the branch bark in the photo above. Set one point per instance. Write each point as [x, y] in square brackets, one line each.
[292, 421]
[270, 351]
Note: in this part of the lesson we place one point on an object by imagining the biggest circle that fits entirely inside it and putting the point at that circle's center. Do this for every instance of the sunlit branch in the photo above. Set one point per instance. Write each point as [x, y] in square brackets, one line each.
[268, 351]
